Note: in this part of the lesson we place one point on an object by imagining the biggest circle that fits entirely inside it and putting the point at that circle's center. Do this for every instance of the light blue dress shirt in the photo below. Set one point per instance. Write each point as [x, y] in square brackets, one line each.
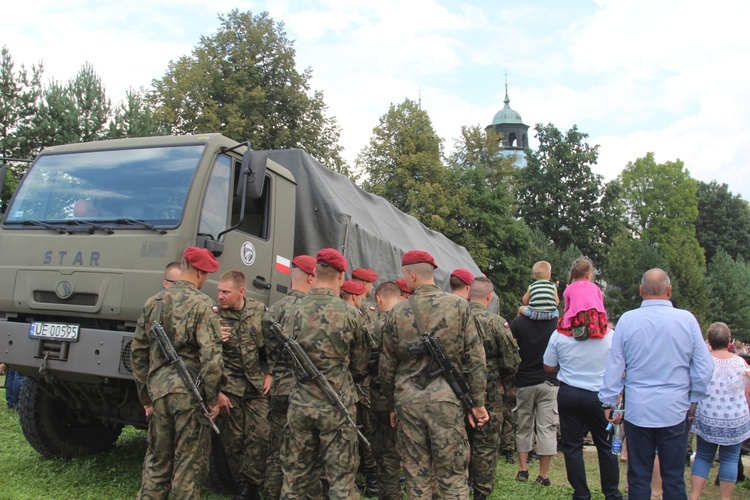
[581, 362]
[666, 363]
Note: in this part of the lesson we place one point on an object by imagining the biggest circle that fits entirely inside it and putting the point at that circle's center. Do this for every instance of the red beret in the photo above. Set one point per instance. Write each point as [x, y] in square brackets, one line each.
[416, 257]
[332, 258]
[402, 285]
[365, 275]
[353, 287]
[201, 259]
[305, 262]
[464, 275]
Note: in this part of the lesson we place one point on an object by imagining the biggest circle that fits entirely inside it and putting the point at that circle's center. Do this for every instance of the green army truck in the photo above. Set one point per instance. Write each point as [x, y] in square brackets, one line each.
[87, 234]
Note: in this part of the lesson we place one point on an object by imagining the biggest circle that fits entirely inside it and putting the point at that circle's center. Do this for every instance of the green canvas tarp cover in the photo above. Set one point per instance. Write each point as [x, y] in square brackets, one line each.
[334, 212]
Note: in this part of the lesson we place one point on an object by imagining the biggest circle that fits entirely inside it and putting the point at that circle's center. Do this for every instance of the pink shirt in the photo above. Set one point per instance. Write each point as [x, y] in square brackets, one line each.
[581, 295]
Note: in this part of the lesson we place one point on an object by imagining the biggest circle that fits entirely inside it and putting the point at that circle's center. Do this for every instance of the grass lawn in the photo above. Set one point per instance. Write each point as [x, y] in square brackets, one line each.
[24, 474]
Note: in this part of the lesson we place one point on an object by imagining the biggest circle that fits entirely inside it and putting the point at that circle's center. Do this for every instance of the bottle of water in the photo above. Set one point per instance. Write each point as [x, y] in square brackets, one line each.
[618, 432]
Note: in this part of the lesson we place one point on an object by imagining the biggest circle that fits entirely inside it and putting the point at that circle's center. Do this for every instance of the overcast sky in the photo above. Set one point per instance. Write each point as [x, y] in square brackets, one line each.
[667, 76]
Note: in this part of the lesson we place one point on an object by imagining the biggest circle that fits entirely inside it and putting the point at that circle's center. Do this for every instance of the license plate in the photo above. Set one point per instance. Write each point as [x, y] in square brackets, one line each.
[54, 331]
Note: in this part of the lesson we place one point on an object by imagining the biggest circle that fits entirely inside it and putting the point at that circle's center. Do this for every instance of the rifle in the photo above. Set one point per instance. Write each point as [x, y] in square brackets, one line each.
[167, 348]
[305, 370]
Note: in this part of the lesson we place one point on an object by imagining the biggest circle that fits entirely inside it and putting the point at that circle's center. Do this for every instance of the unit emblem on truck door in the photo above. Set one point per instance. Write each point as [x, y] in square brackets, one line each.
[247, 253]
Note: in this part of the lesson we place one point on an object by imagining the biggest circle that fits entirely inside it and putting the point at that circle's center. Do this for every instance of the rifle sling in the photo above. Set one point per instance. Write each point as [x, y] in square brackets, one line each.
[426, 376]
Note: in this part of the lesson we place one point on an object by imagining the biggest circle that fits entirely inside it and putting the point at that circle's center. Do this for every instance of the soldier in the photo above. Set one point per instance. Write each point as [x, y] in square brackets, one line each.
[171, 274]
[178, 433]
[384, 434]
[460, 282]
[405, 293]
[243, 406]
[431, 429]
[501, 354]
[352, 292]
[303, 280]
[508, 439]
[330, 332]
[366, 277]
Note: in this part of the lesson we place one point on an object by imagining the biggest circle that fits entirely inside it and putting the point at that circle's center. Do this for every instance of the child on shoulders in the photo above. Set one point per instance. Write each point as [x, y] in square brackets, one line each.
[584, 315]
[541, 299]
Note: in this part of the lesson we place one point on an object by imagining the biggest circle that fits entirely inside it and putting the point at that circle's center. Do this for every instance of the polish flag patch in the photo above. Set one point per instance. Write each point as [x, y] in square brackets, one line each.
[283, 265]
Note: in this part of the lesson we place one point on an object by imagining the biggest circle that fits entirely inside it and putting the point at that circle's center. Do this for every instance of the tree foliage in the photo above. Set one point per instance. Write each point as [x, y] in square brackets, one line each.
[559, 193]
[242, 81]
[723, 221]
[135, 118]
[729, 282]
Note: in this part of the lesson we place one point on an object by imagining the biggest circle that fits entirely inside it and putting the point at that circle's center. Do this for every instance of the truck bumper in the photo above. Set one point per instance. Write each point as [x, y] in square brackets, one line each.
[96, 356]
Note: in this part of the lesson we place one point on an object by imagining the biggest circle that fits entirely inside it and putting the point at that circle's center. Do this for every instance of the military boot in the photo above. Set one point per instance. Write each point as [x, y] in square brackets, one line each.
[479, 496]
[372, 487]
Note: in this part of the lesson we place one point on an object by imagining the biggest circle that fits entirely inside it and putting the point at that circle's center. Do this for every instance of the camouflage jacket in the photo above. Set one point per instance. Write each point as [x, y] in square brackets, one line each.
[330, 331]
[378, 399]
[500, 349]
[279, 364]
[192, 322]
[242, 349]
[448, 318]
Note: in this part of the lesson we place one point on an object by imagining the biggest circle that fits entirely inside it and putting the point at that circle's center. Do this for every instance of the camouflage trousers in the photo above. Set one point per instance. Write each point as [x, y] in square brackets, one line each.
[178, 443]
[274, 476]
[434, 447]
[386, 456]
[364, 421]
[508, 439]
[244, 437]
[313, 435]
[485, 448]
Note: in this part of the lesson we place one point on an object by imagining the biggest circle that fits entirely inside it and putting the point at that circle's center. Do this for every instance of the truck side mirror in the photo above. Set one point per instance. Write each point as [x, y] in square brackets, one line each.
[254, 166]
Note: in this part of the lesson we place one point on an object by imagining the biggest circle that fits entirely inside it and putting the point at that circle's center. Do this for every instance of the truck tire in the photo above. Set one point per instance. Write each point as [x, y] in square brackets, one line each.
[220, 479]
[52, 429]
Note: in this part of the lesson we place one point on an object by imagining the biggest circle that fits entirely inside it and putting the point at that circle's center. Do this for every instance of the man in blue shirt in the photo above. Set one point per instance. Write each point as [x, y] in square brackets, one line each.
[667, 368]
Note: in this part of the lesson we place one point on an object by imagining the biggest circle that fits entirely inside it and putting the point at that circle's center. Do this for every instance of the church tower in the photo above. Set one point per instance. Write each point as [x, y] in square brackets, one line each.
[508, 123]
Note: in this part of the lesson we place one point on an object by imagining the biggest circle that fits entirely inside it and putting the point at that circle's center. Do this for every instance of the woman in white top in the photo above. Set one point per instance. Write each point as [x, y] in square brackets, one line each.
[723, 419]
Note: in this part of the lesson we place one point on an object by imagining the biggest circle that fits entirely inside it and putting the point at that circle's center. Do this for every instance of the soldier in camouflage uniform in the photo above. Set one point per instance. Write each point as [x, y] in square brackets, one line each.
[303, 280]
[367, 277]
[501, 354]
[330, 332]
[353, 292]
[508, 439]
[431, 433]
[384, 444]
[243, 406]
[178, 439]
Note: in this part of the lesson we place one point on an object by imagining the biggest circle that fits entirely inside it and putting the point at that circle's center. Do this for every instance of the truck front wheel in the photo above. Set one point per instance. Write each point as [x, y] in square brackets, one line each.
[54, 429]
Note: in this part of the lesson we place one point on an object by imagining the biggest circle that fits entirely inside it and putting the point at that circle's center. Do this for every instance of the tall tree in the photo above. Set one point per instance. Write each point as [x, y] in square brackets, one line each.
[93, 107]
[403, 164]
[729, 281]
[488, 228]
[135, 118]
[242, 81]
[559, 193]
[723, 221]
[661, 206]
[20, 92]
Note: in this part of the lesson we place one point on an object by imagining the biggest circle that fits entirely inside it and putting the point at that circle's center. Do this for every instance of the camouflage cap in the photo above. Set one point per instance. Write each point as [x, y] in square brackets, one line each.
[201, 259]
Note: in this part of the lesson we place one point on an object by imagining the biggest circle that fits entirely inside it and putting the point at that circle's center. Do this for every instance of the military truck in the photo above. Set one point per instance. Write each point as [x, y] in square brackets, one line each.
[87, 234]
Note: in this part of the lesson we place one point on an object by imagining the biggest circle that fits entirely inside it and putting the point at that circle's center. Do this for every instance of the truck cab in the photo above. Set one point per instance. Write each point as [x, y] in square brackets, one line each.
[83, 244]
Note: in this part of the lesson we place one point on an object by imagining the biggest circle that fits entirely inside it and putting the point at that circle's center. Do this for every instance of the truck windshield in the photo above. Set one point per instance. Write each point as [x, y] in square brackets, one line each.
[149, 184]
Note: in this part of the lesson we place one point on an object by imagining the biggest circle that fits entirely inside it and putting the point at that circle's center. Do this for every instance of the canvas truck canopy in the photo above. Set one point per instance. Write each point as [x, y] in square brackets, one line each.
[334, 212]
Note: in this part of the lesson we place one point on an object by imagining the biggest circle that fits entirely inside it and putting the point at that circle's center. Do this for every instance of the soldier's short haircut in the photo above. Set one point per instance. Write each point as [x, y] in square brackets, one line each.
[456, 283]
[718, 336]
[388, 290]
[175, 264]
[655, 282]
[237, 278]
[542, 270]
[480, 288]
[423, 270]
[326, 273]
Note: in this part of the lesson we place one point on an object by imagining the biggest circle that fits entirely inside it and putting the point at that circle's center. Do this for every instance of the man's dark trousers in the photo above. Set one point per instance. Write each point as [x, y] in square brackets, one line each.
[642, 445]
[580, 410]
